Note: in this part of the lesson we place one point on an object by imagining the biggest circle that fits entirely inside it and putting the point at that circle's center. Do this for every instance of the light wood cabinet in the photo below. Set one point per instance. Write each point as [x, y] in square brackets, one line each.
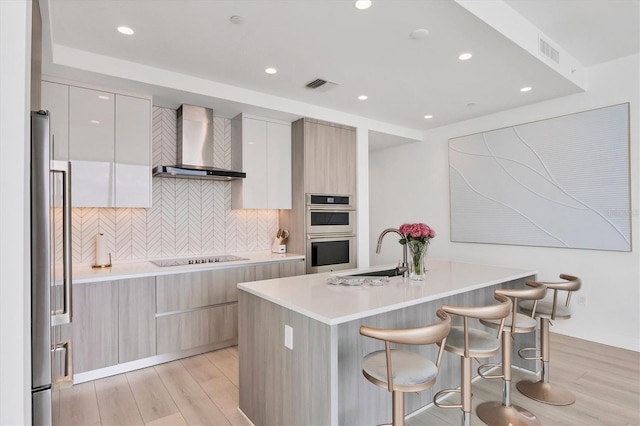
[324, 162]
[329, 158]
[291, 269]
[136, 318]
[113, 322]
[107, 137]
[280, 270]
[120, 321]
[95, 326]
[262, 149]
[267, 271]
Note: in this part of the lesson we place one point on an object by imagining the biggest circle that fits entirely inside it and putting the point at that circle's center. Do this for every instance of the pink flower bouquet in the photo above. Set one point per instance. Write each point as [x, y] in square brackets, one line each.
[416, 236]
[416, 231]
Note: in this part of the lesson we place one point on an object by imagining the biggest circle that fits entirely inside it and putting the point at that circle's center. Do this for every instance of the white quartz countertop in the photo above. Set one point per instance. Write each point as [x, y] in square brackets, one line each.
[83, 274]
[312, 296]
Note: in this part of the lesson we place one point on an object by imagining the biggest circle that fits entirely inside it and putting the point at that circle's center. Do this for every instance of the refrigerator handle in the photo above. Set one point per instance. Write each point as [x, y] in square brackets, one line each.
[65, 168]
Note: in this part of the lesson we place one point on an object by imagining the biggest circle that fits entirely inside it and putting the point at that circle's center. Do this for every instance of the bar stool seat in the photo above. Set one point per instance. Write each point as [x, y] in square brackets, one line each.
[401, 371]
[524, 323]
[481, 343]
[547, 310]
[468, 342]
[496, 413]
[412, 369]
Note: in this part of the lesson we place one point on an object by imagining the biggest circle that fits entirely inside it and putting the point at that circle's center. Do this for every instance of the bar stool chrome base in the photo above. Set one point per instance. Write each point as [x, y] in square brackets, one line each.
[546, 392]
[496, 414]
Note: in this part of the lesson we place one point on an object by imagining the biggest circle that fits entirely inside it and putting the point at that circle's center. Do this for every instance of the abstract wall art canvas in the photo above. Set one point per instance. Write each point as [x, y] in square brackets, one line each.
[560, 182]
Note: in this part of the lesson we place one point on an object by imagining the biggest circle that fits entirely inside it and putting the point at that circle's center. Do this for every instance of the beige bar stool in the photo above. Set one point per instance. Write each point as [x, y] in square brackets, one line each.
[401, 371]
[504, 413]
[470, 343]
[547, 310]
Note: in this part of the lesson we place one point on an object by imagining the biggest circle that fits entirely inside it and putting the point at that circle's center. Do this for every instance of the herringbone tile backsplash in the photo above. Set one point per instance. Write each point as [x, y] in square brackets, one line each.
[188, 217]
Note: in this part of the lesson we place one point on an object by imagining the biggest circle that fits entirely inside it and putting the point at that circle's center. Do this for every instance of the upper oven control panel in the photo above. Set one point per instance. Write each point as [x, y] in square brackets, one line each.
[320, 201]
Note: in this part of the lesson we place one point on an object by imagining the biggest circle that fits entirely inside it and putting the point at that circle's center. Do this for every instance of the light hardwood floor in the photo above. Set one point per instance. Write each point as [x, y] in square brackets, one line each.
[605, 380]
[200, 390]
[203, 390]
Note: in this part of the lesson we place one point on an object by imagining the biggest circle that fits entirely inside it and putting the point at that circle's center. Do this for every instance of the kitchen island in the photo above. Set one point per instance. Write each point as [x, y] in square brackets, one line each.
[319, 380]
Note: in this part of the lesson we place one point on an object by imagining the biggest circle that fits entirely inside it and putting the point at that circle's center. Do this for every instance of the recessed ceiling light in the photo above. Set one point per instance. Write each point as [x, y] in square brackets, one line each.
[271, 70]
[94, 122]
[428, 116]
[125, 30]
[465, 56]
[103, 97]
[363, 4]
[420, 34]
[525, 89]
[237, 19]
[363, 97]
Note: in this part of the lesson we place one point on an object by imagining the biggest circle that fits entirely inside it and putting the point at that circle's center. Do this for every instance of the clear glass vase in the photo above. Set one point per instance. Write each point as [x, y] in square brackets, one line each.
[417, 255]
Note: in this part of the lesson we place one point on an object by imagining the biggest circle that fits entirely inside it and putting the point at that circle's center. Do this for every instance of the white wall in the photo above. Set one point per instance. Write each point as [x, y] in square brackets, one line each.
[410, 183]
[15, 71]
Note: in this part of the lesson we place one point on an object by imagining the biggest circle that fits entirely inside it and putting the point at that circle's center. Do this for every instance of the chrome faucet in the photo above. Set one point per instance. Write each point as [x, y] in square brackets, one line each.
[404, 267]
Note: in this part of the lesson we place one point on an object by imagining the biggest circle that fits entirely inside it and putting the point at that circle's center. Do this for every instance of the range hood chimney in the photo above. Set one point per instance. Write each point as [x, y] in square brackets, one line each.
[195, 148]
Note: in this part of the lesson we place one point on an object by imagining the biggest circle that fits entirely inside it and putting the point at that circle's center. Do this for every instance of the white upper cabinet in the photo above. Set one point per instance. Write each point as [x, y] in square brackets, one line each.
[252, 191]
[91, 147]
[132, 152]
[107, 138]
[279, 166]
[262, 149]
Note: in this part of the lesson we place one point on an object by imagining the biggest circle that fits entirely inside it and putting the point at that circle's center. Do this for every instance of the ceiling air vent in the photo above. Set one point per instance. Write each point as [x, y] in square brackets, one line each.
[548, 51]
[321, 83]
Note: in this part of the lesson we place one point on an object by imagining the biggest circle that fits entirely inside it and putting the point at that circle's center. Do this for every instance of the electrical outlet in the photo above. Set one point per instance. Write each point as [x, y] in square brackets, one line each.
[288, 337]
[582, 300]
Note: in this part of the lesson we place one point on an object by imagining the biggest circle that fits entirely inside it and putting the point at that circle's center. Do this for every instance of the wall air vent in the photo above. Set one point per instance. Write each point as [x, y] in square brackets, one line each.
[548, 51]
[321, 83]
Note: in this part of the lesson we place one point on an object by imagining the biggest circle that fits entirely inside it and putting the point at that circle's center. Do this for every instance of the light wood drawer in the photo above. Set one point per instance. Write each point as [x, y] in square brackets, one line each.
[177, 332]
[198, 289]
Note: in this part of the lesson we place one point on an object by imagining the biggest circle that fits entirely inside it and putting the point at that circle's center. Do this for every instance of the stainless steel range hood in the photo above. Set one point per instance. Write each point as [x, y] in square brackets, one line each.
[195, 148]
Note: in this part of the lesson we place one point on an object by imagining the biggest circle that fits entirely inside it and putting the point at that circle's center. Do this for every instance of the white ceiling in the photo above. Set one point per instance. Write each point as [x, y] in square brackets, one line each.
[593, 31]
[368, 52]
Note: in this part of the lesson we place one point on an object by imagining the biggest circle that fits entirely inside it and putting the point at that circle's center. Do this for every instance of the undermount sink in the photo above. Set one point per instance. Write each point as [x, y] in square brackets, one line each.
[383, 273]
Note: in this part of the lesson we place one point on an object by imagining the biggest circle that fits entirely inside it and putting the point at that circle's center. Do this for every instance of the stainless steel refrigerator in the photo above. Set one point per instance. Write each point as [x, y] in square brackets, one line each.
[50, 271]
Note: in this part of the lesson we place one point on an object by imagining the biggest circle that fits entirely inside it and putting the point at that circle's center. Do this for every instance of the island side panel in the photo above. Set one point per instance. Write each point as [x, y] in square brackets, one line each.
[360, 401]
[279, 386]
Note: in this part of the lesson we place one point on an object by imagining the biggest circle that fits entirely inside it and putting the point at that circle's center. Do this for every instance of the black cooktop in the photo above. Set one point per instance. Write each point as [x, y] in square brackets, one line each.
[197, 260]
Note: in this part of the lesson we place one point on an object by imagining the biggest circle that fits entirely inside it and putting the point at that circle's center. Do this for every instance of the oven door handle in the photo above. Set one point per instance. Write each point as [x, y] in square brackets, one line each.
[329, 236]
[331, 207]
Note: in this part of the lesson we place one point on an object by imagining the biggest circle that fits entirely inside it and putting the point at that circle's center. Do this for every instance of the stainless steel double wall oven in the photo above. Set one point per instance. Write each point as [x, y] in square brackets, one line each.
[331, 232]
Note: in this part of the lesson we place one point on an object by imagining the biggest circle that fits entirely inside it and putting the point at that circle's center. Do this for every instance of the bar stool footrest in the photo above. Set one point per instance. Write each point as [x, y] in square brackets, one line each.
[523, 351]
[489, 366]
[445, 392]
